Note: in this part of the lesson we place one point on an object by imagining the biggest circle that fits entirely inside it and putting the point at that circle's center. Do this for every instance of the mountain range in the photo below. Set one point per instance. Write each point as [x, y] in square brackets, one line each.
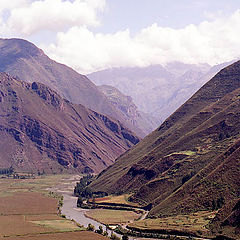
[158, 90]
[125, 104]
[24, 60]
[41, 131]
[191, 162]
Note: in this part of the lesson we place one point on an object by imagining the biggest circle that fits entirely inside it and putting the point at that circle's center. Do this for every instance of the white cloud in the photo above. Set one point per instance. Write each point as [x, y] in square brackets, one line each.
[211, 41]
[11, 4]
[53, 15]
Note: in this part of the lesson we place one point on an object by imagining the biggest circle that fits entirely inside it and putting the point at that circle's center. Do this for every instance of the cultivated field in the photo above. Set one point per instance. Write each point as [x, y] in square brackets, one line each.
[121, 199]
[192, 223]
[83, 235]
[112, 217]
[28, 211]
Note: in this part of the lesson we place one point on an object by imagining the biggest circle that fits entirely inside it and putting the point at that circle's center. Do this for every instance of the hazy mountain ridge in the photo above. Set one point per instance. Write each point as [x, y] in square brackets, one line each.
[191, 162]
[125, 104]
[42, 131]
[158, 90]
[24, 60]
[154, 86]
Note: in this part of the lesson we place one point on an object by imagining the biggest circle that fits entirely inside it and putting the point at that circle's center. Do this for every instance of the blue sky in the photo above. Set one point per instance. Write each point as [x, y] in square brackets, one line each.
[91, 35]
[137, 14]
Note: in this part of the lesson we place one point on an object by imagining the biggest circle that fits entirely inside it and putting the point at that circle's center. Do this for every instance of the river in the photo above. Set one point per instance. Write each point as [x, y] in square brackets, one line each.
[71, 211]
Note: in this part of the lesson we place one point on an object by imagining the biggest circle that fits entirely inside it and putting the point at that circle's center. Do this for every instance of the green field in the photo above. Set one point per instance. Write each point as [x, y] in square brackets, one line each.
[112, 217]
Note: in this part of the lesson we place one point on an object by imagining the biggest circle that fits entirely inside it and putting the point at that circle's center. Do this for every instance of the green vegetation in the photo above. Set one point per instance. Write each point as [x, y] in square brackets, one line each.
[90, 227]
[100, 230]
[187, 152]
[6, 170]
[125, 237]
[191, 223]
[82, 189]
[114, 237]
[61, 225]
[112, 217]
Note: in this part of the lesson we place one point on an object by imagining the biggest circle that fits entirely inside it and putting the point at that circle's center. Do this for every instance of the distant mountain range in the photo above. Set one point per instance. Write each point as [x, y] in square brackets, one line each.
[24, 60]
[126, 105]
[158, 90]
[191, 162]
[41, 131]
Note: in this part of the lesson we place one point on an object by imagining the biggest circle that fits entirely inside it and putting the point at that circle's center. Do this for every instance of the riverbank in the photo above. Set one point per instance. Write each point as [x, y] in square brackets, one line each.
[80, 215]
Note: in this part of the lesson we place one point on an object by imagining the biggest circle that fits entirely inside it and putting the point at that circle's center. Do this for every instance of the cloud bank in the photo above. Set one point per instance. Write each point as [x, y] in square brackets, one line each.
[213, 41]
[28, 17]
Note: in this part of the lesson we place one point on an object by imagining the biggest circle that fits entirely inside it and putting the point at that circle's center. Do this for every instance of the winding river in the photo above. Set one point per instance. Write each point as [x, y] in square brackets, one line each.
[71, 211]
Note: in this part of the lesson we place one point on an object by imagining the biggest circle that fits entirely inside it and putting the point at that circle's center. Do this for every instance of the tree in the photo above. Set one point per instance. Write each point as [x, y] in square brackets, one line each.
[125, 237]
[90, 227]
[100, 230]
[114, 237]
[79, 201]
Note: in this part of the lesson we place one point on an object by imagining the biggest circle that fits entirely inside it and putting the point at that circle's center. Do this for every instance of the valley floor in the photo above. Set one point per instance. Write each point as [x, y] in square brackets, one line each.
[29, 212]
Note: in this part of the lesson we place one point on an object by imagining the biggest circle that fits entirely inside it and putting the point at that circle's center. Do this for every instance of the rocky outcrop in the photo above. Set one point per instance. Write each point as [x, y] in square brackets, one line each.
[24, 60]
[42, 131]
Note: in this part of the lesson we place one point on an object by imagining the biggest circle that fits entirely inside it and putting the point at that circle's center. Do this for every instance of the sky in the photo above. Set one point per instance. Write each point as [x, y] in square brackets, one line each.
[91, 35]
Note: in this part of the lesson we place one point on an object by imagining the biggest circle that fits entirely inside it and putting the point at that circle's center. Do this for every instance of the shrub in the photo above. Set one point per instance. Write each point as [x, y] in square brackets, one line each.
[90, 227]
[125, 237]
[114, 237]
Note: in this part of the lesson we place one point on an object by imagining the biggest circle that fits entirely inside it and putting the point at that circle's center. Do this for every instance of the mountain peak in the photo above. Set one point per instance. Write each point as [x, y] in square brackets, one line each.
[24, 60]
[19, 48]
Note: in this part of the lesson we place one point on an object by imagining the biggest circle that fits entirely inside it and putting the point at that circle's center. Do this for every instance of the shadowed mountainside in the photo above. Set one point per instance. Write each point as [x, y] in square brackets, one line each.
[42, 131]
[158, 90]
[125, 104]
[191, 162]
[24, 60]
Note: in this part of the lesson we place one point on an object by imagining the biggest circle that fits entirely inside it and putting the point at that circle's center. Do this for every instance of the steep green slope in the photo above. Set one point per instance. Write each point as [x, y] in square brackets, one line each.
[191, 162]
[198, 124]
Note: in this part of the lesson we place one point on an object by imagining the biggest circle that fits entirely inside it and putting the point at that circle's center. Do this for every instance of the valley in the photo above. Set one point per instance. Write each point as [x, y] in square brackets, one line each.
[32, 212]
[152, 152]
[188, 165]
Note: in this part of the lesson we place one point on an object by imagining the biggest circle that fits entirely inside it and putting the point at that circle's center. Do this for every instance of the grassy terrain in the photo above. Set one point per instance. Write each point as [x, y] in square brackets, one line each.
[39, 184]
[192, 223]
[62, 225]
[121, 199]
[29, 211]
[112, 217]
[187, 152]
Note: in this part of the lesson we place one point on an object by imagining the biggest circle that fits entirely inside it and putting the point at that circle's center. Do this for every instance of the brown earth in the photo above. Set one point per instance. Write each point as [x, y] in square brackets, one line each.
[83, 235]
[27, 203]
[19, 212]
[40, 131]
